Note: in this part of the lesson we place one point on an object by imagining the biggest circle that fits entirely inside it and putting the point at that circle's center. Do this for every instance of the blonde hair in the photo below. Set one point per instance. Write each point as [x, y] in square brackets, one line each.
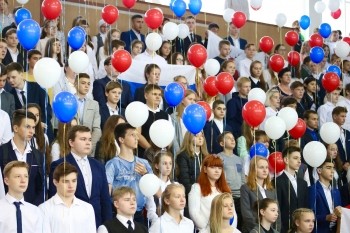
[297, 215]
[188, 147]
[121, 191]
[242, 80]
[167, 193]
[251, 179]
[269, 95]
[215, 219]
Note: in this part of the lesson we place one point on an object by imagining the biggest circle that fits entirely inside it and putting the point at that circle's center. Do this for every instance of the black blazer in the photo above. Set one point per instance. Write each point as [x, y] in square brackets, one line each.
[344, 155]
[115, 226]
[21, 57]
[7, 103]
[211, 134]
[182, 45]
[242, 42]
[104, 112]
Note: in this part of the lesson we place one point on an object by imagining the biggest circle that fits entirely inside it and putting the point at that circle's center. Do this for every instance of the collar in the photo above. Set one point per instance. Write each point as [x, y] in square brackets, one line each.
[78, 158]
[260, 187]
[325, 187]
[255, 80]
[57, 200]
[11, 199]
[167, 217]
[154, 110]
[27, 150]
[124, 219]
[79, 98]
[330, 104]
[136, 33]
[290, 176]
[24, 88]
[2, 90]
[221, 122]
[113, 109]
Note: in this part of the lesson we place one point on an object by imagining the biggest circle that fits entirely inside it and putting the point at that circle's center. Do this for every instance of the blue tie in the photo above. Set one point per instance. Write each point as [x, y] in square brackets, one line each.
[18, 216]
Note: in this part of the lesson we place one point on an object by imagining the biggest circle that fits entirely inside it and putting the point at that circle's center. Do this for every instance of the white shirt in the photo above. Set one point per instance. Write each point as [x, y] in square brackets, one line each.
[168, 224]
[262, 190]
[55, 151]
[234, 230]
[328, 194]
[85, 169]
[112, 111]
[122, 219]
[5, 130]
[13, 54]
[58, 218]
[219, 124]
[325, 113]
[244, 67]
[345, 103]
[151, 58]
[18, 91]
[293, 181]
[32, 220]
[19, 155]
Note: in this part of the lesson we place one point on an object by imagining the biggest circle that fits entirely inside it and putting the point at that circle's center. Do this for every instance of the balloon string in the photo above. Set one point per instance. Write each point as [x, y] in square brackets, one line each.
[174, 155]
[256, 32]
[274, 143]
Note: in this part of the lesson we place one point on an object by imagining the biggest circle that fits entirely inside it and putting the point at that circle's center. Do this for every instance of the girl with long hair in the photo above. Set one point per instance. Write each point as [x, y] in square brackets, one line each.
[152, 76]
[245, 141]
[112, 34]
[177, 59]
[272, 105]
[53, 50]
[165, 51]
[49, 31]
[211, 182]
[303, 221]
[267, 210]
[256, 76]
[60, 146]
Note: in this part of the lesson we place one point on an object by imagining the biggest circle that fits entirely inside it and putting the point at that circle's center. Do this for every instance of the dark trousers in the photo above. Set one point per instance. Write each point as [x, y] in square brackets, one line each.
[239, 213]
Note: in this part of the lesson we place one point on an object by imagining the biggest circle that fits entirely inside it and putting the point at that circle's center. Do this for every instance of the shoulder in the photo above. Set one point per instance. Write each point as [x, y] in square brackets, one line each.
[195, 188]
[112, 162]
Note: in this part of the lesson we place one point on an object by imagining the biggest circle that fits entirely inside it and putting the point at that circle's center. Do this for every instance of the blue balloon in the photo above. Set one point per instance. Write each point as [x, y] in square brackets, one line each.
[304, 22]
[179, 8]
[195, 6]
[28, 33]
[22, 14]
[335, 69]
[76, 37]
[325, 30]
[194, 118]
[173, 94]
[316, 54]
[171, 5]
[65, 106]
[258, 149]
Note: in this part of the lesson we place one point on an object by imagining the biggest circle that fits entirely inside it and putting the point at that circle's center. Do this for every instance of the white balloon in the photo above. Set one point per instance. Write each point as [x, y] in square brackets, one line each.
[170, 30]
[290, 117]
[184, 31]
[257, 94]
[153, 41]
[314, 153]
[281, 19]
[78, 61]
[330, 132]
[319, 7]
[157, 135]
[136, 113]
[228, 14]
[22, 1]
[333, 5]
[47, 72]
[149, 184]
[275, 127]
[342, 49]
[256, 4]
[212, 66]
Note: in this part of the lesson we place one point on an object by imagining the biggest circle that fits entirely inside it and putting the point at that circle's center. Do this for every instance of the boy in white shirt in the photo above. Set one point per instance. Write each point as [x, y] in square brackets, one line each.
[325, 111]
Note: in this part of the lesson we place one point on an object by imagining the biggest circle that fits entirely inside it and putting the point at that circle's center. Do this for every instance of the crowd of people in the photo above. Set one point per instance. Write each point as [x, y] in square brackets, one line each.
[84, 175]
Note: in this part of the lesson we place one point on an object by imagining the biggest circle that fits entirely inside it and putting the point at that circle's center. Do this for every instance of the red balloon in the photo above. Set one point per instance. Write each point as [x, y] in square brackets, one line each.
[293, 58]
[206, 107]
[254, 113]
[298, 130]
[336, 14]
[121, 60]
[266, 44]
[129, 3]
[330, 81]
[276, 62]
[51, 9]
[224, 82]
[276, 163]
[110, 14]
[197, 55]
[291, 37]
[346, 39]
[316, 40]
[239, 19]
[154, 18]
[209, 86]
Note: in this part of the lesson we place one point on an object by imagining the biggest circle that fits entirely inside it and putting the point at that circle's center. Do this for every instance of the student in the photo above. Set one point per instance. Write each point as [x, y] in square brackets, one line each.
[267, 210]
[258, 187]
[152, 76]
[33, 57]
[92, 184]
[215, 127]
[64, 212]
[272, 104]
[310, 94]
[18, 148]
[325, 111]
[49, 31]
[311, 133]
[224, 51]
[172, 220]
[16, 214]
[15, 52]
[165, 51]
[124, 200]
[134, 33]
[211, 182]
[244, 65]
[233, 168]
[298, 93]
[7, 101]
[292, 192]
[324, 199]
[107, 50]
[99, 39]
[221, 213]
[136, 48]
[127, 170]
[235, 38]
[257, 77]
[303, 221]
[346, 103]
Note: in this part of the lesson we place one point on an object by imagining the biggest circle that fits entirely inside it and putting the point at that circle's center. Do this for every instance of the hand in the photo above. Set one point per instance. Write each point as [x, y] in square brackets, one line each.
[331, 218]
[337, 211]
[140, 168]
[346, 166]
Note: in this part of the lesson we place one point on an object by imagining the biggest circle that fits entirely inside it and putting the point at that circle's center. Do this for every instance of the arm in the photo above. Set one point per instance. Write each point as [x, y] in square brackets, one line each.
[98, 93]
[105, 199]
[151, 209]
[142, 140]
[242, 150]
[96, 130]
[155, 228]
[184, 173]
[194, 207]
[246, 209]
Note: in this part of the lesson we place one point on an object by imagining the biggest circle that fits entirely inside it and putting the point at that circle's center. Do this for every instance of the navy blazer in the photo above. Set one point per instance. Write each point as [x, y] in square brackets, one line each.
[242, 42]
[128, 37]
[344, 155]
[21, 57]
[320, 206]
[182, 45]
[104, 112]
[35, 191]
[211, 134]
[99, 199]
[98, 91]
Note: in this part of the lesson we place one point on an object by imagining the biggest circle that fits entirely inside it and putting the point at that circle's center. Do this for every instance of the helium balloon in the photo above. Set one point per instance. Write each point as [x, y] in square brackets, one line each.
[121, 60]
[224, 82]
[325, 30]
[228, 15]
[315, 40]
[330, 81]
[153, 18]
[197, 55]
[153, 41]
[316, 54]
[22, 1]
[346, 39]
[257, 94]
[304, 22]
[298, 130]
[342, 49]
[170, 30]
[290, 117]
[319, 7]
[294, 58]
[330, 132]
[136, 113]
[254, 113]
[110, 14]
[266, 44]
[179, 8]
[51, 9]
[76, 37]
[149, 184]
[336, 14]
[258, 149]
[78, 61]
[276, 62]
[281, 20]
[157, 135]
[22, 14]
[47, 72]
[239, 19]
[184, 31]
[212, 66]
[129, 3]
[173, 94]
[209, 86]
[314, 153]
[275, 127]
[255, 4]
[292, 38]
[65, 106]
[195, 6]
[28, 33]
[335, 69]
[333, 5]
[276, 163]
[206, 107]
[194, 118]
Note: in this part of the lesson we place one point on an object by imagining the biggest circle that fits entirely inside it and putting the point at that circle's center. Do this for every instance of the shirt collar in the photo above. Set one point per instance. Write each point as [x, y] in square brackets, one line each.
[255, 80]
[290, 176]
[2, 90]
[112, 109]
[78, 158]
[154, 111]
[124, 220]
[80, 99]
[27, 150]
[325, 187]
[11, 199]
[57, 200]
[167, 217]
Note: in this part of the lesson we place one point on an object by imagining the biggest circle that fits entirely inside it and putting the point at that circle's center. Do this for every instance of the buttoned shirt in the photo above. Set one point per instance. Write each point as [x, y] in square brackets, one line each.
[293, 181]
[84, 166]
[138, 35]
[325, 113]
[168, 224]
[112, 111]
[19, 155]
[81, 105]
[122, 219]
[13, 54]
[219, 124]
[328, 193]
[262, 190]
[19, 94]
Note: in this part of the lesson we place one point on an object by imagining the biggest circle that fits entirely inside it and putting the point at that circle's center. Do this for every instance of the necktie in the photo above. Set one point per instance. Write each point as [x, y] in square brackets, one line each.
[24, 98]
[129, 226]
[18, 216]
[192, 37]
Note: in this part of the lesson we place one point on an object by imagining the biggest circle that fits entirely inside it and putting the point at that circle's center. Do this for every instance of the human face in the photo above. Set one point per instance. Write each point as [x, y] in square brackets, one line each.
[126, 205]
[2, 81]
[250, 52]
[306, 222]
[286, 78]
[264, 141]
[198, 140]
[233, 30]
[165, 165]
[262, 169]
[293, 161]
[83, 86]
[219, 111]
[179, 60]
[257, 70]
[335, 36]
[33, 59]
[230, 68]
[154, 76]
[111, 71]
[215, 30]
[213, 173]
[137, 49]
[103, 28]
[183, 82]
[346, 65]
[153, 98]
[327, 171]
[67, 185]
[190, 99]
[326, 51]
[298, 93]
[3, 50]
[191, 23]
[12, 40]
[337, 62]
[225, 50]
[227, 208]
[26, 130]
[51, 30]
[86, 28]
[245, 88]
[3, 6]
[115, 35]
[230, 142]
[335, 96]
[166, 49]
[311, 87]
[81, 145]
[113, 96]
[15, 79]
[177, 199]
[275, 100]
[56, 47]
[36, 113]
[332, 151]
[17, 181]
[340, 118]
[131, 139]
[281, 50]
[312, 121]
[270, 213]
[137, 24]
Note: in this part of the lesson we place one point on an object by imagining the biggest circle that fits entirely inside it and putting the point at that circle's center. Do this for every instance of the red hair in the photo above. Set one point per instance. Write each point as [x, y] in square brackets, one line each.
[203, 181]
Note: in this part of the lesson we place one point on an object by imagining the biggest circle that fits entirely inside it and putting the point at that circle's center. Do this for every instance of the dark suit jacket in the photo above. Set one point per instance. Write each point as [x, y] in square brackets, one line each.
[104, 112]
[21, 57]
[140, 96]
[128, 37]
[242, 42]
[344, 155]
[211, 134]
[99, 199]
[35, 191]
[182, 45]
[318, 203]
[288, 200]
[7, 103]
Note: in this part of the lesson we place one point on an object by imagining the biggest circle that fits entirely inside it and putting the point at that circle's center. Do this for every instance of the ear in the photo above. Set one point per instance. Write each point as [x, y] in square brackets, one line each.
[319, 170]
[55, 182]
[121, 140]
[285, 159]
[262, 212]
[106, 94]
[204, 169]
[222, 143]
[166, 201]
[15, 128]
[6, 181]
[70, 142]
[116, 204]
